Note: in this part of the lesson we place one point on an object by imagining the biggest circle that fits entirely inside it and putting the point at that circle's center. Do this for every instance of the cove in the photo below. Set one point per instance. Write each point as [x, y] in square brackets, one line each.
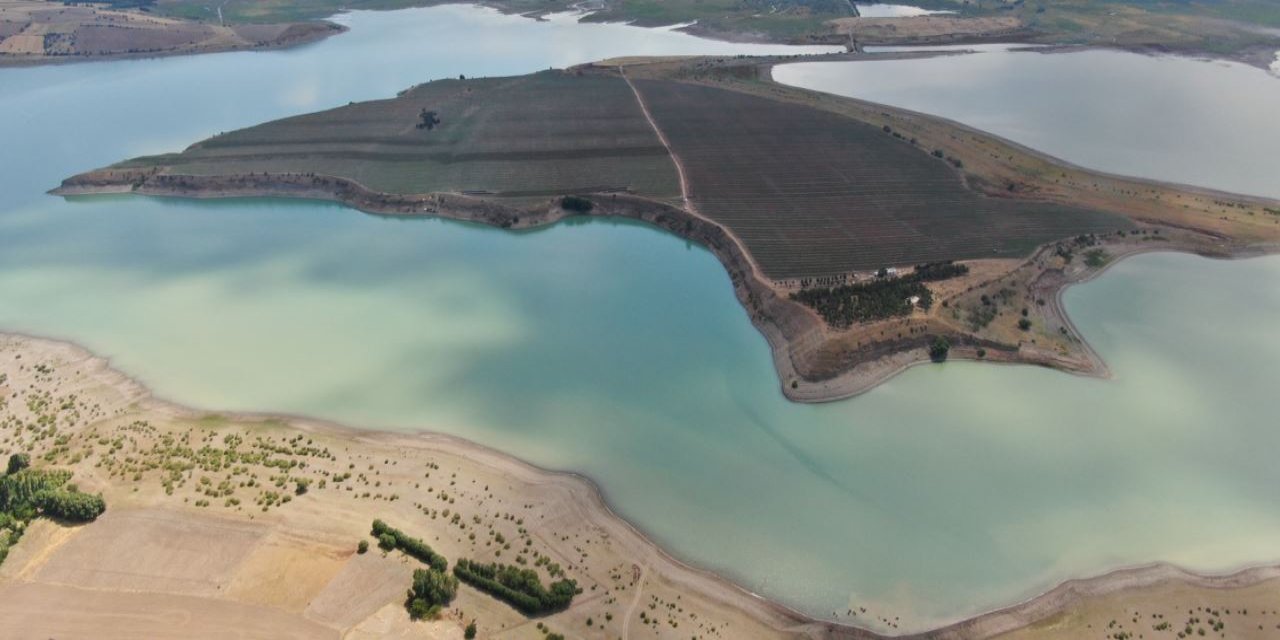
[613, 350]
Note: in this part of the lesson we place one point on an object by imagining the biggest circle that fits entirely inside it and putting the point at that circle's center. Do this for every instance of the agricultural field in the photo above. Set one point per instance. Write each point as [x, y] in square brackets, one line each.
[35, 31]
[812, 193]
[527, 137]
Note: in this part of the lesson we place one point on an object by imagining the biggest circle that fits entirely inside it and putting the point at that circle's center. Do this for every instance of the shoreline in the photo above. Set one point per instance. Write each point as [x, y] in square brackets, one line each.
[1257, 56]
[785, 325]
[318, 31]
[685, 574]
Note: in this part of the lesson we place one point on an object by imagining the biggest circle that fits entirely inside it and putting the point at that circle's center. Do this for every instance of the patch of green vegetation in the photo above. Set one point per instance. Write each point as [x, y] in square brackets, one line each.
[27, 493]
[877, 299]
[432, 590]
[520, 588]
[1095, 258]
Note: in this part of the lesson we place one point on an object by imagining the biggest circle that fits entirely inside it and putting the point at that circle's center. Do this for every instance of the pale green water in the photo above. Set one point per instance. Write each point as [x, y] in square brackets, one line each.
[620, 352]
[1207, 123]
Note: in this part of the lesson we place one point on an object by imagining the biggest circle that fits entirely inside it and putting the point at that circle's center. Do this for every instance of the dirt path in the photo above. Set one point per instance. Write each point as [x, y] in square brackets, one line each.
[684, 182]
[662, 137]
[635, 603]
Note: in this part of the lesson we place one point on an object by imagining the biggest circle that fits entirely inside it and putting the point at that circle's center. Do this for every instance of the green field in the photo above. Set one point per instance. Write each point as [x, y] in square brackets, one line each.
[526, 137]
[813, 193]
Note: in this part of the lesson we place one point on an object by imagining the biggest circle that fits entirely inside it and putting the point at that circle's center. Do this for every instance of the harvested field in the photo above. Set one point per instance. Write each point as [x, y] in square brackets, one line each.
[526, 137]
[812, 193]
[38, 610]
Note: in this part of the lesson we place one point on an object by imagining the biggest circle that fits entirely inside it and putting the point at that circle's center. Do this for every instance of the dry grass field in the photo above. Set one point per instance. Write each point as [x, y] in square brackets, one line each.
[811, 193]
[524, 137]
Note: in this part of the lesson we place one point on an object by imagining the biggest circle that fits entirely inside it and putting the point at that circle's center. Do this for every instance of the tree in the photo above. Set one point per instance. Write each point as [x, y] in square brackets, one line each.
[470, 632]
[363, 547]
[386, 542]
[939, 349]
[18, 462]
[1024, 324]
[431, 590]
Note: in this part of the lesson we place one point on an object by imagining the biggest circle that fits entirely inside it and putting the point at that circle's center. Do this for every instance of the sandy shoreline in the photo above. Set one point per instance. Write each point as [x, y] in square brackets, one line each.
[767, 617]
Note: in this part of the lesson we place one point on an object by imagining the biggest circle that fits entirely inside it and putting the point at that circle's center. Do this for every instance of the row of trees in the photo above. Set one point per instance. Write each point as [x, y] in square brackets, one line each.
[520, 588]
[391, 538]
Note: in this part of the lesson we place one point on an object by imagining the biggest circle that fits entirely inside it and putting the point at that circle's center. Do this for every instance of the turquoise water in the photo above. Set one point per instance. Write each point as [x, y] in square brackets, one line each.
[1201, 122]
[617, 351]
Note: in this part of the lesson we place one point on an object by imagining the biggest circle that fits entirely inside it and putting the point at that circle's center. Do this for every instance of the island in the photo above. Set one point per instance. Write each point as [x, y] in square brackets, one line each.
[860, 238]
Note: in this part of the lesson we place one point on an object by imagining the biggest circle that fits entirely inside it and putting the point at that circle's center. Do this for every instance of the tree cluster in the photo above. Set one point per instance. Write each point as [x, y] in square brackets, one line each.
[576, 204]
[884, 297]
[391, 538]
[432, 590]
[520, 588]
[26, 493]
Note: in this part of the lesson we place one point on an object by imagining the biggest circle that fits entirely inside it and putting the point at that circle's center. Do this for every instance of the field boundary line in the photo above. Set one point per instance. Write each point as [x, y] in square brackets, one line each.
[684, 183]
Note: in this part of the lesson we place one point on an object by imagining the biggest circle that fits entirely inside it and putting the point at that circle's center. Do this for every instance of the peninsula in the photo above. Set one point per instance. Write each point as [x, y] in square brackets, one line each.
[860, 238]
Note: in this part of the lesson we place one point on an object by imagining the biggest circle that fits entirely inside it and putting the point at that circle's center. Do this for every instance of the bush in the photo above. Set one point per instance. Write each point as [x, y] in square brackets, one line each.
[576, 204]
[363, 547]
[470, 632]
[1024, 324]
[520, 588]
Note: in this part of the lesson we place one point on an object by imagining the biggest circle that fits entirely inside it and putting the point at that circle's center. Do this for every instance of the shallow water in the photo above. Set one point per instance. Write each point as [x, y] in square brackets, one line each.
[620, 352]
[1206, 123]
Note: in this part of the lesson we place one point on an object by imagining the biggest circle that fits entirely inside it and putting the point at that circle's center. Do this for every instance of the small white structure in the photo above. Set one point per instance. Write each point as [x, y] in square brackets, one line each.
[914, 300]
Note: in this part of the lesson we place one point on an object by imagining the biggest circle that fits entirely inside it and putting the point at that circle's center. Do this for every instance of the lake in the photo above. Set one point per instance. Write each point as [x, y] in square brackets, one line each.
[618, 351]
[1200, 122]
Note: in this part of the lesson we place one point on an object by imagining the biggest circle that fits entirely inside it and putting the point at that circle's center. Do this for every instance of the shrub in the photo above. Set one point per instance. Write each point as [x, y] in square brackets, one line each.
[363, 547]
[1024, 324]
[470, 632]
